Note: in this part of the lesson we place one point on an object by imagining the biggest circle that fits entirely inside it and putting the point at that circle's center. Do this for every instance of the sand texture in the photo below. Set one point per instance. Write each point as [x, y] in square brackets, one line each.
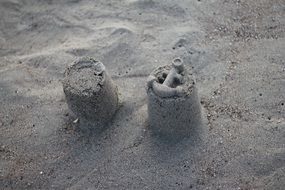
[234, 47]
[90, 93]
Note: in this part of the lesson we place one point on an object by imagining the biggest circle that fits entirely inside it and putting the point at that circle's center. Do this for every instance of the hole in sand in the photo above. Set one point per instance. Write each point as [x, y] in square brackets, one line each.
[160, 80]
[176, 82]
[177, 61]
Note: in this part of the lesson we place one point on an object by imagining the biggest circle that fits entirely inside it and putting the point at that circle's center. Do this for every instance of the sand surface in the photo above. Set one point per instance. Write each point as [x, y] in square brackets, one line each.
[235, 47]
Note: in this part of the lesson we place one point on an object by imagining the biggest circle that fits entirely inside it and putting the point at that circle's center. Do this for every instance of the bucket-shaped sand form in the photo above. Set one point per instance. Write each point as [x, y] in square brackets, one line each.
[90, 92]
[173, 104]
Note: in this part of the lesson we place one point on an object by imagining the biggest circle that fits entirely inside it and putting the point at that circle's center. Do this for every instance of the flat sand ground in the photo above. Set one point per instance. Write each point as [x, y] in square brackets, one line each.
[235, 47]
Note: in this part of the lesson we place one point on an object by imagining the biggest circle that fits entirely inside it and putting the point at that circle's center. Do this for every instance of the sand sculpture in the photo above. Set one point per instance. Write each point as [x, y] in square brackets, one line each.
[90, 92]
[173, 103]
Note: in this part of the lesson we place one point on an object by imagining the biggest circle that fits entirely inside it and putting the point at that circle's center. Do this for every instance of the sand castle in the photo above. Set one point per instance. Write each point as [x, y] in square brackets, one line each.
[173, 103]
[90, 92]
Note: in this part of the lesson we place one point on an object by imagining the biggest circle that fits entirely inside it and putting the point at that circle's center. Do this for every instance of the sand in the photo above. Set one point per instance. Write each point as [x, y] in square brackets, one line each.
[90, 93]
[236, 51]
[174, 109]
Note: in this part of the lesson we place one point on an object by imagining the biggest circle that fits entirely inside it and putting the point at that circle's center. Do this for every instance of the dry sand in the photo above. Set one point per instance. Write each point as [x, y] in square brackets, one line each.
[236, 49]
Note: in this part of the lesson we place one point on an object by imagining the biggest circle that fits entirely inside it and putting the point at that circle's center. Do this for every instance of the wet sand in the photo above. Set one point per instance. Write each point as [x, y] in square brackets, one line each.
[235, 48]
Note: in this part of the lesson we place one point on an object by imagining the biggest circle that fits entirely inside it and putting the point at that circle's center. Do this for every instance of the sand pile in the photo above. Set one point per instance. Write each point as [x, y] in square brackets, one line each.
[234, 48]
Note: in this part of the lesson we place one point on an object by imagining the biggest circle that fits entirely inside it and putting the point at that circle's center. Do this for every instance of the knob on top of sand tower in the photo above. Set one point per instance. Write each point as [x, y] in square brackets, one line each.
[170, 81]
[90, 92]
[177, 63]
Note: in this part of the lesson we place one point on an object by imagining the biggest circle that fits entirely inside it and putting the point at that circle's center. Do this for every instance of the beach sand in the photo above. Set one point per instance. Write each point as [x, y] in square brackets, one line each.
[234, 47]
